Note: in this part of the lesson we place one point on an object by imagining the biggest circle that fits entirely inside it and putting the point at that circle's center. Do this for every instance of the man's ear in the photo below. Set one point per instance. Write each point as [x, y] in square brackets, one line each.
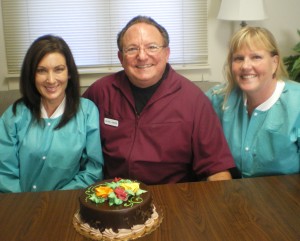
[120, 56]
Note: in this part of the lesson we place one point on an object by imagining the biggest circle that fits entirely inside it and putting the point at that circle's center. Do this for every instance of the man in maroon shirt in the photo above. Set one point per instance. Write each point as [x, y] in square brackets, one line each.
[156, 125]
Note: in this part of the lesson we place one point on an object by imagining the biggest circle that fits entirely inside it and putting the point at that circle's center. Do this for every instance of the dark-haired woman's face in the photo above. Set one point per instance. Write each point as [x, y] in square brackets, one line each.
[51, 78]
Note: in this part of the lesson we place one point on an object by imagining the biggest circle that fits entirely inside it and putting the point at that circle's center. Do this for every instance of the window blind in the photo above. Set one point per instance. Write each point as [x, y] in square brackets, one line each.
[90, 28]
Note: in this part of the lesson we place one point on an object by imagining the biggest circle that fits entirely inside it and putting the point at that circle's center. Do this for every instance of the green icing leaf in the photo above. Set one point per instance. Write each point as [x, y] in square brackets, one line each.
[112, 185]
[140, 191]
[96, 199]
[130, 192]
[114, 201]
[118, 201]
[112, 195]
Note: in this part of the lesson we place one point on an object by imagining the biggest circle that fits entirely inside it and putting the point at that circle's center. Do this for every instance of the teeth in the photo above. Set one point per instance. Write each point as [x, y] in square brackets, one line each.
[248, 76]
[144, 66]
[51, 89]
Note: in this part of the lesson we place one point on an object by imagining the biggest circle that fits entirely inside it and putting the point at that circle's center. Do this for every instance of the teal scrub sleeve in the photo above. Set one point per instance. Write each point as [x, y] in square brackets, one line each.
[216, 98]
[91, 168]
[9, 163]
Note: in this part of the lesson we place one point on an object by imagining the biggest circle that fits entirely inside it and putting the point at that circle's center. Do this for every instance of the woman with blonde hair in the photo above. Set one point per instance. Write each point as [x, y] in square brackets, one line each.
[258, 106]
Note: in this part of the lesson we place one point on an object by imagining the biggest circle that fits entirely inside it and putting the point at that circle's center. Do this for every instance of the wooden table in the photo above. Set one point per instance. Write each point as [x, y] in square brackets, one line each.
[255, 209]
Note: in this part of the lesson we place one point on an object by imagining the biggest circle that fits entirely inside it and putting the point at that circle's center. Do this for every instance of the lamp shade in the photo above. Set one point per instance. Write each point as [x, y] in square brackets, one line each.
[242, 10]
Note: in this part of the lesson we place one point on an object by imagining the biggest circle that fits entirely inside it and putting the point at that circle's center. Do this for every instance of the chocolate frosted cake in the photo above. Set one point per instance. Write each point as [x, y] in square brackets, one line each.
[118, 209]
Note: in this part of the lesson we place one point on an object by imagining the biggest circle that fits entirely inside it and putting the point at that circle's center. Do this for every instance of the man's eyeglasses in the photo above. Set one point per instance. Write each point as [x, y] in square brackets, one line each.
[150, 50]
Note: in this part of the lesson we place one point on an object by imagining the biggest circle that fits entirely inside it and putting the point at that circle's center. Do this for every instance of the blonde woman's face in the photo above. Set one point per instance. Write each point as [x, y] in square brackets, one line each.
[253, 69]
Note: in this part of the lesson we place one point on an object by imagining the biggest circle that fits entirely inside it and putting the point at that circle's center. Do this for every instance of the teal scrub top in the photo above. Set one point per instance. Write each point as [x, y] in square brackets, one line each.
[36, 157]
[267, 143]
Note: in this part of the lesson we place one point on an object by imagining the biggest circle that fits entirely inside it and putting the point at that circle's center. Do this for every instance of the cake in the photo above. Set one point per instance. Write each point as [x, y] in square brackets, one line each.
[118, 209]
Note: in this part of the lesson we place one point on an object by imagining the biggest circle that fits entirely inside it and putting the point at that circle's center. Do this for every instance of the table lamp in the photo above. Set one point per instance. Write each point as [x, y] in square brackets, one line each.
[242, 10]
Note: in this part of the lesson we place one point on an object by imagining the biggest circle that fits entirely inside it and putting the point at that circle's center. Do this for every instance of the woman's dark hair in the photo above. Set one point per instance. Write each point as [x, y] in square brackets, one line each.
[142, 19]
[29, 94]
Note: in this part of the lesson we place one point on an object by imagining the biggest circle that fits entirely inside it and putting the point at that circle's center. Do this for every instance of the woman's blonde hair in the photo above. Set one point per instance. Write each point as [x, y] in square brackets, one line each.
[251, 37]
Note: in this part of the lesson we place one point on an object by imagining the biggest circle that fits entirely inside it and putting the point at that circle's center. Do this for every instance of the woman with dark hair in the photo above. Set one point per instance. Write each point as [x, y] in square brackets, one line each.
[50, 137]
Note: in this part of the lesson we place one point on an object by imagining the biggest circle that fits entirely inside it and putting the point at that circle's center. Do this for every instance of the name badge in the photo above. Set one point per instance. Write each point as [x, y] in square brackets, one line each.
[111, 122]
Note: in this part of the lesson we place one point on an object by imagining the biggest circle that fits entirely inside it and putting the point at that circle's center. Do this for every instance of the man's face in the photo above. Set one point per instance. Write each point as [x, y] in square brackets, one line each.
[143, 66]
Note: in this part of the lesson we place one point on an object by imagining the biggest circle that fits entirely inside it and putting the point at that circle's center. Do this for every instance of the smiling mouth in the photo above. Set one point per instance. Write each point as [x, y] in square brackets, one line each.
[248, 76]
[144, 66]
[51, 89]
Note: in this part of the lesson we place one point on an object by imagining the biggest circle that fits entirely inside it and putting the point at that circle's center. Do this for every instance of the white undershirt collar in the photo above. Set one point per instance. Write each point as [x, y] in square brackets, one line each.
[273, 98]
[58, 112]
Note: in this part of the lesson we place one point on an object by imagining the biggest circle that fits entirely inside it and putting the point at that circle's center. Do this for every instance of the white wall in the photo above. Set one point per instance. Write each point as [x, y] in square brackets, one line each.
[283, 21]
[3, 69]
